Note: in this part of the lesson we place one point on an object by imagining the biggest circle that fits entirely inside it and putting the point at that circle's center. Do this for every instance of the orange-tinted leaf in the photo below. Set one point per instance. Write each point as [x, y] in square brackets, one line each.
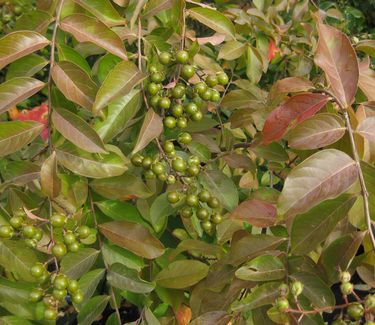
[336, 56]
[50, 182]
[256, 212]
[183, 315]
[290, 85]
[293, 111]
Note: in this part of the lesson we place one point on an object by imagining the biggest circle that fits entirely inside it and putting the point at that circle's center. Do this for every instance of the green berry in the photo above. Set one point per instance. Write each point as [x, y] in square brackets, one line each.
[153, 68]
[215, 96]
[192, 200]
[170, 122]
[178, 164]
[154, 101]
[346, 288]
[73, 286]
[173, 197]
[59, 250]
[186, 212]
[217, 218]
[369, 323]
[204, 196]
[212, 80]
[153, 88]
[207, 226]
[59, 294]
[158, 168]
[37, 270]
[191, 108]
[178, 91]
[194, 161]
[203, 214]
[58, 220]
[370, 302]
[16, 222]
[69, 238]
[193, 170]
[282, 304]
[165, 58]
[168, 146]
[6, 231]
[149, 174]
[171, 179]
[223, 78]
[200, 87]
[137, 160]
[30, 242]
[213, 202]
[74, 247]
[177, 110]
[162, 177]
[197, 116]
[182, 122]
[77, 297]
[60, 282]
[28, 231]
[182, 56]
[165, 103]
[36, 295]
[184, 138]
[157, 77]
[355, 311]
[345, 276]
[296, 288]
[38, 234]
[83, 231]
[206, 95]
[147, 162]
[50, 314]
[187, 71]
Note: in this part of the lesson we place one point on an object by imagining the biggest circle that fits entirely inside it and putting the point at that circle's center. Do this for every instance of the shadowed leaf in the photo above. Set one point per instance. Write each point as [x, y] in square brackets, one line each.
[49, 180]
[74, 265]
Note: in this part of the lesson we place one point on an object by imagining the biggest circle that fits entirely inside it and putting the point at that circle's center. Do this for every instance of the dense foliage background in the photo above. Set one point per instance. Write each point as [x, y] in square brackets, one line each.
[187, 162]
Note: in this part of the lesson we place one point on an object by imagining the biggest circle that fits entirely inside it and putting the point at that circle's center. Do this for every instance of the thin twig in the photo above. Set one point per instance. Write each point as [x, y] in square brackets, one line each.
[319, 310]
[112, 293]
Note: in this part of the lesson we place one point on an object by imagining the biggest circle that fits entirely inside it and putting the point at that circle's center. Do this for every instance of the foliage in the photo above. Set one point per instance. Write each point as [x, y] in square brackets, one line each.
[199, 162]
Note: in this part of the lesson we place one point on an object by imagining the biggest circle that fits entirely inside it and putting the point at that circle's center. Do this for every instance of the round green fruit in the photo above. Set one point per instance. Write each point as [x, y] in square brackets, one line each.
[83, 231]
[38, 234]
[60, 282]
[149, 174]
[16, 222]
[346, 288]
[187, 71]
[59, 294]
[168, 146]
[206, 95]
[203, 214]
[77, 297]
[204, 196]
[6, 231]
[37, 270]
[59, 250]
[345, 276]
[178, 91]
[165, 103]
[158, 168]
[207, 226]
[154, 101]
[356, 311]
[191, 108]
[282, 304]
[211, 80]
[58, 220]
[200, 88]
[215, 96]
[197, 116]
[223, 78]
[147, 162]
[213, 202]
[194, 161]
[184, 138]
[137, 160]
[74, 247]
[192, 200]
[182, 56]
[157, 77]
[193, 170]
[186, 212]
[173, 197]
[170, 122]
[217, 218]
[30, 242]
[152, 88]
[73, 286]
[182, 122]
[171, 179]
[36, 295]
[177, 110]
[50, 314]
[69, 238]
[179, 165]
[165, 58]
[370, 302]
[28, 231]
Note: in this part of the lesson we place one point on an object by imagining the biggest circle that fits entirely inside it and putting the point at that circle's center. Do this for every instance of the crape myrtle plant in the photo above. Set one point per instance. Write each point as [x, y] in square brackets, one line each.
[188, 162]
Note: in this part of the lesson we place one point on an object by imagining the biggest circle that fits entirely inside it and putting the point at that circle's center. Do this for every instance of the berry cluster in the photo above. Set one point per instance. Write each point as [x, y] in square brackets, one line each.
[181, 101]
[8, 14]
[53, 289]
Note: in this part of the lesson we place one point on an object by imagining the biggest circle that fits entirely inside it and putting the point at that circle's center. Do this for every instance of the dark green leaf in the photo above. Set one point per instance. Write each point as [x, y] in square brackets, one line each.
[74, 265]
[92, 309]
[26, 66]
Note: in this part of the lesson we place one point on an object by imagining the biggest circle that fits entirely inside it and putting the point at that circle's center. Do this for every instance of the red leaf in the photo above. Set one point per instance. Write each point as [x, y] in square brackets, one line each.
[183, 315]
[293, 111]
[256, 212]
[272, 51]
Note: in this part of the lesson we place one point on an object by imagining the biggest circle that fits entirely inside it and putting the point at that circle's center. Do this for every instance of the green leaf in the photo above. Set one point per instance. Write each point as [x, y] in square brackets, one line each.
[133, 237]
[104, 65]
[121, 277]
[367, 46]
[15, 135]
[182, 274]
[232, 50]
[313, 227]
[315, 289]
[87, 29]
[213, 19]
[19, 173]
[75, 84]
[89, 281]
[317, 132]
[14, 320]
[16, 90]
[153, 7]
[50, 182]
[118, 83]
[90, 165]
[262, 268]
[17, 258]
[254, 64]
[35, 20]
[26, 66]
[103, 10]
[66, 53]
[159, 211]
[119, 116]
[222, 187]
[324, 175]
[92, 309]
[239, 98]
[120, 211]
[74, 265]
[18, 44]
[197, 246]
[200, 150]
[77, 130]
[114, 254]
[121, 188]
[262, 295]
[332, 261]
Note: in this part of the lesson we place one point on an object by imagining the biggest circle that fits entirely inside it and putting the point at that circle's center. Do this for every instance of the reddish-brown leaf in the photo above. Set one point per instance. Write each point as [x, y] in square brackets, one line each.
[256, 212]
[290, 85]
[336, 56]
[183, 315]
[293, 111]
[367, 79]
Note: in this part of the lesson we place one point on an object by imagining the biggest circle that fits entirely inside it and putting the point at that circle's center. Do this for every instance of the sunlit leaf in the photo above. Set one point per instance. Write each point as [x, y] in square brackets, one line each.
[153, 7]
[51, 184]
[35, 20]
[26, 66]
[232, 50]
[66, 53]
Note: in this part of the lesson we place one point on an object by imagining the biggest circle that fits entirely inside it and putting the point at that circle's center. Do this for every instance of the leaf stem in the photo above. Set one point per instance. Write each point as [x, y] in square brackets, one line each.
[106, 266]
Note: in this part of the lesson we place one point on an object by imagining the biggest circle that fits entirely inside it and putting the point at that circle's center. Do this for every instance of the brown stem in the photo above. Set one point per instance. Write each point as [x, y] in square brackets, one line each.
[319, 310]
[112, 293]
[365, 193]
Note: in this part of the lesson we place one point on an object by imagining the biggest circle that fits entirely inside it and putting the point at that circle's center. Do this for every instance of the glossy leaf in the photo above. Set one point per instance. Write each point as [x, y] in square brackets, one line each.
[14, 320]
[18, 44]
[317, 132]
[222, 187]
[160, 210]
[50, 182]
[336, 56]
[133, 237]
[35, 20]
[77, 130]
[118, 83]
[74, 83]
[254, 64]
[313, 227]
[367, 128]
[121, 277]
[74, 265]
[153, 7]
[324, 175]
[90, 165]
[89, 281]
[66, 53]
[151, 129]
[367, 79]
[26, 66]
[92, 309]
[88, 29]
[16, 90]
[289, 85]
[113, 254]
[103, 10]
[262, 268]
[232, 50]
[182, 274]
[214, 20]
[293, 111]
[15, 135]
[255, 212]
[120, 211]
[194, 245]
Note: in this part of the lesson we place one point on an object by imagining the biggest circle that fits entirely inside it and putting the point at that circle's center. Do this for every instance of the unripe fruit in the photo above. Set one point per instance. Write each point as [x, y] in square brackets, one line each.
[178, 164]
[154, 101]
[191, 108]
[36, 295]
[197, 116]
[6, 231]
[346, 288]
[170, 122]
[184, 138]
[283, 289]
[59, 294]
[149, 174]
[207, 94]
[147, 162]
[180, 234]
[345, 276]
[204, 196]
[77, 297]
[178, 91]
[206, 226]
[165, 58]
[192, 200]
[152, 88]
[182, 56]
[217, 218]
[200, 88]
[215, 96]
[16, 222]
[223, 78]
[213, 202]
[296, 288]
[29, 231]
[171, 179]
[282, 304]
[369, 323]
[168, 146]
[153, 68]
[157, 77]
[187, 71]
[37, 270]
[173, 197]
[137, 160]
[50, 314]
[74, 247]
[73, 286]
[339, 322]
[370, 302]
[38, 234]
[193, 170]
[177, 110]
[194, 161]
[355, 311]
[30, 242]
[186, 212]
[158, 168]
[212, 80]
[203, 214]
[69, 238]
[165, 103]
[182, 122]
[59, 250]
[83, 232]
[60, 282]
[58, 220]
